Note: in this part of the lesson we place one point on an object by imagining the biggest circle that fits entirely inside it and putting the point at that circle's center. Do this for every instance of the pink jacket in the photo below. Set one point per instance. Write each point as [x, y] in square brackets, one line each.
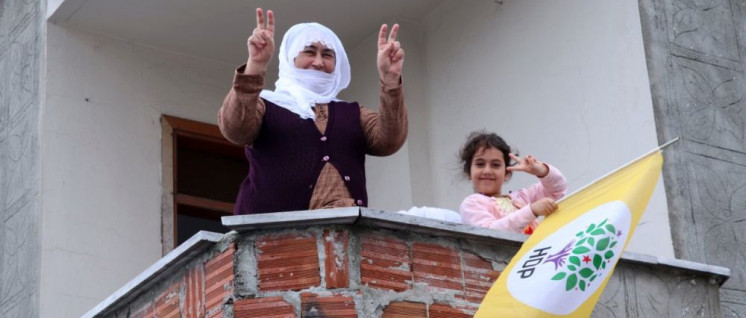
[481, 210]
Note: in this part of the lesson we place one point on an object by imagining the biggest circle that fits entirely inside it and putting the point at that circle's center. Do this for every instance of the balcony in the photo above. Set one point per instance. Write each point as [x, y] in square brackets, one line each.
[359, 262]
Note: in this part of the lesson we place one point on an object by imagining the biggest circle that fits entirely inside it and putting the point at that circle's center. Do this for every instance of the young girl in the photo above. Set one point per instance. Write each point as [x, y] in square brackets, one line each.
[486, 160]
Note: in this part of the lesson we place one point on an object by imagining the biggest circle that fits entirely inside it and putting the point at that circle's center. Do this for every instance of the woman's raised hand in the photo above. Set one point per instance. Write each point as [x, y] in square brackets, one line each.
[530, 165]
[261, 43]
[390, 56]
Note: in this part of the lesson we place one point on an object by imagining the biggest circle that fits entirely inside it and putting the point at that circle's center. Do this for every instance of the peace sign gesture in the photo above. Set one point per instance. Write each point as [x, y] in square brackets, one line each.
[261, 43]
[390, 56]
[530, 165]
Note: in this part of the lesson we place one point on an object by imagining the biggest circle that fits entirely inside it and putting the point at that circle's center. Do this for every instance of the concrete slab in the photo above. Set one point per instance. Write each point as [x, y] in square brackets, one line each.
[721, 274]
[243, 223]
[397, 221]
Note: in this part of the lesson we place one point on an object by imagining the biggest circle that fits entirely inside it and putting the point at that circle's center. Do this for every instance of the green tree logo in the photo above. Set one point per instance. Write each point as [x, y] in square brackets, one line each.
[587, 254]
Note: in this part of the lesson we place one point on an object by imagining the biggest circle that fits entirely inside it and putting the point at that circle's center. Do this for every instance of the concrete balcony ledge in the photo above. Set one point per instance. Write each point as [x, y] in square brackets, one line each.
[368, 217]
[367, 263]
[397, 221]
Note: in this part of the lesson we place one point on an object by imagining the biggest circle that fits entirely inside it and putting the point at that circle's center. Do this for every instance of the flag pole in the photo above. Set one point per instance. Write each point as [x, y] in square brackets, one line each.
[659, 148]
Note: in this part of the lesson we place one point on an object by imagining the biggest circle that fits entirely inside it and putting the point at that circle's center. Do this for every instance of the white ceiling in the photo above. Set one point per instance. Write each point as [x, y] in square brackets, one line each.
[217, 29]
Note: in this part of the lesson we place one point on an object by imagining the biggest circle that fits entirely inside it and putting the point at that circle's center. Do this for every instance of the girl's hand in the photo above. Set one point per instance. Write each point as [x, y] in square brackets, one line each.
[543, 206]
[390, 56]
[529, 165]
[261, 43]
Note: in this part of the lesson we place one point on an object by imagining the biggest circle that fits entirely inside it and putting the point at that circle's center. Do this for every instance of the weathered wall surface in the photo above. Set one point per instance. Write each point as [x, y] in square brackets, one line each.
[696, 57]
[562, 80]
[21, 51]
[102, 157]
[358, 271]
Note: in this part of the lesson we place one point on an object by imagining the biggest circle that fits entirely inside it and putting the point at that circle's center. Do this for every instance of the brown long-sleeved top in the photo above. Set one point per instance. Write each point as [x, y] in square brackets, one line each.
[240, 120]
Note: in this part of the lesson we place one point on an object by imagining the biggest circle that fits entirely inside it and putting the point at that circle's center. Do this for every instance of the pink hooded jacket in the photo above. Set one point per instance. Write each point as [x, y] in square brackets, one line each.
[481, 210]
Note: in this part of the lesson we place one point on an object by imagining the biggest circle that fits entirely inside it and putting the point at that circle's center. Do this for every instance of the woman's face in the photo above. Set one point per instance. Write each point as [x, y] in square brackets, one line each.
[316, 57]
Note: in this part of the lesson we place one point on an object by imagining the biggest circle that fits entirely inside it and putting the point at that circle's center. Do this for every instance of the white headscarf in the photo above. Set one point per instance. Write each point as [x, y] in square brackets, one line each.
[298, 90]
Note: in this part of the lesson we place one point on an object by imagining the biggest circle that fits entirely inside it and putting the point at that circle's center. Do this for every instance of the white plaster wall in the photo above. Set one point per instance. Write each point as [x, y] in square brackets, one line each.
[563, 80]
[400, 181]
[101, 159]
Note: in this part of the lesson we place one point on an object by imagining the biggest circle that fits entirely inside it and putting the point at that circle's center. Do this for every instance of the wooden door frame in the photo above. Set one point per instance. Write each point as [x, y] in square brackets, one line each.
[171, 128]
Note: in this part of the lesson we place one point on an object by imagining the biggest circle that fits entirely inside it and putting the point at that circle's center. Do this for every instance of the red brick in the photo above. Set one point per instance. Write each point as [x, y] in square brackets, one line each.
[385, 263]
[313, 305]
[274, 307]
[288, 262]
[215, 313]
[336, 263]
[195, 293]
[437, 266]
[404, 309]
[219, 273]
[148, 311]
[167, 303]
[479, 276]
[445, 311]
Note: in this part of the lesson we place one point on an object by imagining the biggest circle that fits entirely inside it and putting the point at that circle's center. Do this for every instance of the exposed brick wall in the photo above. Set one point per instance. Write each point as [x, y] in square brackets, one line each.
[148, 311]
[404, 309]
[289, 262]
[263, 307]
[219, 274]
[446, 311]
[337, 261]
[437, 266]
[385, 263]
[478, 277]
[313, 305]
[194, 283]
[167, 303]
[364, 275]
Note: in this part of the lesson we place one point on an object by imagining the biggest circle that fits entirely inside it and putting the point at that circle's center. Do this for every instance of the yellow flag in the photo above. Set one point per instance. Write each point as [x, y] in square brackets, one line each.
[563, 267]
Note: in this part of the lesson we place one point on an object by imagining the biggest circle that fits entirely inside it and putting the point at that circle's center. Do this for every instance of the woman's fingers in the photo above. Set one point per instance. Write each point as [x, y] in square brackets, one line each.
[395, 47]
[271, 21]
[382, 36]
[269, 24]
[259, 19]
[398, 55]
[391, 38]
[394, 31]
[256, 41]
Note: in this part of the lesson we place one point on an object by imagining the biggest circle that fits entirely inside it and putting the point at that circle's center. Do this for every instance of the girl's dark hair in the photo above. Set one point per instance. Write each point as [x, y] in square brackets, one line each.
[482, 139]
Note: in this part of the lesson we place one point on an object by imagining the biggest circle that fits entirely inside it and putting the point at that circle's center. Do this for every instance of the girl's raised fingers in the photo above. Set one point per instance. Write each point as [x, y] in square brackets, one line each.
[259, 19]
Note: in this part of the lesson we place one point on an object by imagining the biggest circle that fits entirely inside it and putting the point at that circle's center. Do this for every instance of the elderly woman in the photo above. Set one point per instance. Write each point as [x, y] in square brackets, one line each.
[306, 148]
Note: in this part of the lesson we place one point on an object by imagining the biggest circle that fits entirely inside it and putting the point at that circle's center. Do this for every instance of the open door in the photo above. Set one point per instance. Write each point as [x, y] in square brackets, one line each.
[201, 175]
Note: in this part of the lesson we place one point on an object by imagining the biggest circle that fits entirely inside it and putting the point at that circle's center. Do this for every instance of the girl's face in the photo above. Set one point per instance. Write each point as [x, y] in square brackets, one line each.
[488, 171]
[316, 57]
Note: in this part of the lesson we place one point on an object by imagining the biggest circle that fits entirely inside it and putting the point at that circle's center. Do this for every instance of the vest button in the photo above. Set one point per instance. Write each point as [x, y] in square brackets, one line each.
[359, 202]
[347, 178]
[326, 158]
[323, 138]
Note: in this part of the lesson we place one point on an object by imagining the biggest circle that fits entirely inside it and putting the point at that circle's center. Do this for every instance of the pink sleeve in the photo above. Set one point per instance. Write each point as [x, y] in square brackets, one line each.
[553, 186]
[480, 210]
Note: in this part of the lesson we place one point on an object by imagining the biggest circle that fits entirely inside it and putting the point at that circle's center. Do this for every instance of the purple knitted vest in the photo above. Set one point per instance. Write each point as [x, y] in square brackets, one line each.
[289, 153]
